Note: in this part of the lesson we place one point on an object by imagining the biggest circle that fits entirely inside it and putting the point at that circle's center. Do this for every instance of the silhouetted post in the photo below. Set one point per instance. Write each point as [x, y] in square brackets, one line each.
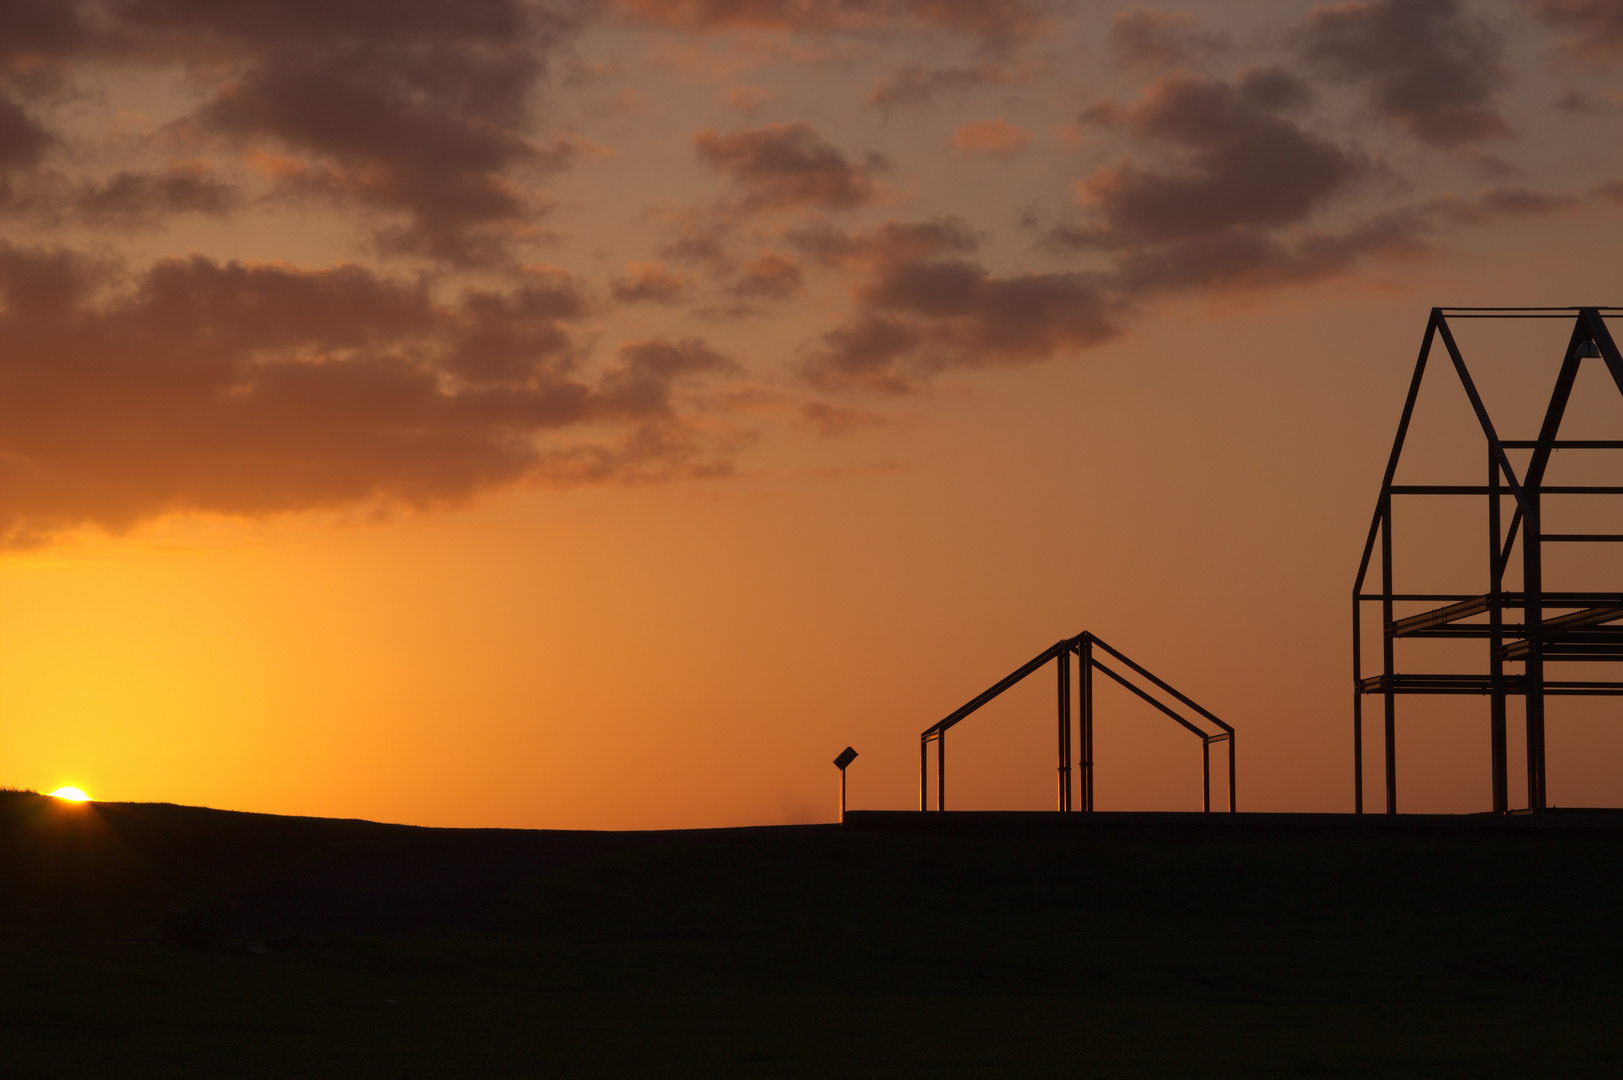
[1387, 663]
[1533, 587]
[924, 774]
[941, 770]
[1206, 775]
[1064, 661]
[847, 756]
[1084, 656]
[1358, 708]
[1496, 645]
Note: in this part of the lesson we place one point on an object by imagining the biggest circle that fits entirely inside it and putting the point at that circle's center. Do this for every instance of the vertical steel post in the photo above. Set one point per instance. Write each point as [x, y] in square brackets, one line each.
[1496, 644]
[1064, 681]
[1387, 684]
[1533, 587]
[924, 774]
[1358, 711]
[1232, 805]
[941, 769]
[1085, 670]
[1205, 776]
[842, 796]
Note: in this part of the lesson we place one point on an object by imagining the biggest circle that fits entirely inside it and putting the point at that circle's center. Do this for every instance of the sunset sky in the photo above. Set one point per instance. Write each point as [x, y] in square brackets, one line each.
[599, 414]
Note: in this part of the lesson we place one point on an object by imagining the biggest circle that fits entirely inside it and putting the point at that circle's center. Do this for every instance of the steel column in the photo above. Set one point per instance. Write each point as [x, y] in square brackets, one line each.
[1387, 684]
[1233, 805]
[941, 770]
[1496, 644]
[1533, 619]
[1084, 655]
[1205, 777]
[1358, 710]
[1064, 681]
[924, 774]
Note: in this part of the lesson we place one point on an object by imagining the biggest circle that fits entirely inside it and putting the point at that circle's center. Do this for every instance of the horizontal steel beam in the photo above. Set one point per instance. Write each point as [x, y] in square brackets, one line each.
[1426, 620]
[1484, 489]
[1514, 685]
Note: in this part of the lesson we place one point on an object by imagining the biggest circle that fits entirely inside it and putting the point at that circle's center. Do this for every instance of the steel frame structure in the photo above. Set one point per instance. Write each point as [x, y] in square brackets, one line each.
[1581, 633]
[1084, 647]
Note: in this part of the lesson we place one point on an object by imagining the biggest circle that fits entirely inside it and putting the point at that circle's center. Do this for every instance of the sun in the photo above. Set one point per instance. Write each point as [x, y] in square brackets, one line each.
[72, 794]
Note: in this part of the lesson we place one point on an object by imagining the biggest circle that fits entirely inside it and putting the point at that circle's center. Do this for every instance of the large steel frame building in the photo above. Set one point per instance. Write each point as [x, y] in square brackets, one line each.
[1532, 628]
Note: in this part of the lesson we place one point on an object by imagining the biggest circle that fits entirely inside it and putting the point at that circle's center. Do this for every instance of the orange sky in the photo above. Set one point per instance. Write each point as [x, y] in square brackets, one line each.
[599, 416]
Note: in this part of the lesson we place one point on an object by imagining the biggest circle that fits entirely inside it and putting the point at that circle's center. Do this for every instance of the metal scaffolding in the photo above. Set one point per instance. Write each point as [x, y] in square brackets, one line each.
[1086, 647]
[1585, 628]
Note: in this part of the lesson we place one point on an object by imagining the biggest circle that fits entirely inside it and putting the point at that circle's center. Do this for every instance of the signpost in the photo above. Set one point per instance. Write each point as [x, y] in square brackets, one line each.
[847, 756]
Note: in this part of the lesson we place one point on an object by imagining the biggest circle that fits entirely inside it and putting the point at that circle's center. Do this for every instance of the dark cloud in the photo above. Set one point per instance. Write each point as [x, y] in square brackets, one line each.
[1238, 166]
[921, 309]
[416, 110]
[1142, 38]
[1596, 25]
[39, 35]
[22, 140]
[889, 243]
[138, 197]
[768, 276]
[649, 282]
[1274, 88]
[702, 238]
[920, 85]
[993, 22]
[834, 420]
[783, 166]
[1495, 204]
[1428, 66]
[640, 385]
[1225, 192]
[1251, 259]
[258, 389]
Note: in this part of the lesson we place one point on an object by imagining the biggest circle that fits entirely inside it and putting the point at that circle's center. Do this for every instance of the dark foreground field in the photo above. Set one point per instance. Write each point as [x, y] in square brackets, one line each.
[313, 948]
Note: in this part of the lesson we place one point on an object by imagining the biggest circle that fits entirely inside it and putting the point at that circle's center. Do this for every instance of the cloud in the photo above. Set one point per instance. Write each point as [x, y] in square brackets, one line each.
[1427, 65]
[1597, 26]
[130, 197]
[788, 166]
[1142, 38]
[749, 99]
[832, 421]
[889, 243]
[39, 35]
[649, 282]
[919, 85]
[768, 276]
[998, 138]
[922, 308]
[640, 385]
[1226, 194]
[417, 111]
[1495, 204]
[254, 389]
[993, 22]
[22, 140]
[1239, 166]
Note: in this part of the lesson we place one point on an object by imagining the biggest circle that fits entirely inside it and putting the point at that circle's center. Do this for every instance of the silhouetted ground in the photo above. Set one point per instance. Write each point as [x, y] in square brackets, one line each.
[808, 951]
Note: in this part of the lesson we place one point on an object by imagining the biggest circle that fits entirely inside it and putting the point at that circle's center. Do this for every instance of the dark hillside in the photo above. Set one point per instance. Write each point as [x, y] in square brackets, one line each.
[811, 952]
[117, 868]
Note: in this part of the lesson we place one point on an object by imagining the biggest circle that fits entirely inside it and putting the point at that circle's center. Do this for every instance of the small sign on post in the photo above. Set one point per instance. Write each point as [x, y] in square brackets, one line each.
[847, 756]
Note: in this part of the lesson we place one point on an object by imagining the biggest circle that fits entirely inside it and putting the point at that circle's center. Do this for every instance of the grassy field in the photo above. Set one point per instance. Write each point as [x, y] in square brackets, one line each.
[310, 948]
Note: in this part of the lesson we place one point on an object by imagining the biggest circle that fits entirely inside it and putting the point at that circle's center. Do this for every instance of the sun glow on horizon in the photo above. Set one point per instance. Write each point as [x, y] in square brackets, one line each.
[71, 794]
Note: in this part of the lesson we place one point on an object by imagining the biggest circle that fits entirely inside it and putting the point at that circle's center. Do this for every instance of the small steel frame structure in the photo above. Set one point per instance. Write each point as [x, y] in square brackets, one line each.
[1586, 630]
[1084, 647]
